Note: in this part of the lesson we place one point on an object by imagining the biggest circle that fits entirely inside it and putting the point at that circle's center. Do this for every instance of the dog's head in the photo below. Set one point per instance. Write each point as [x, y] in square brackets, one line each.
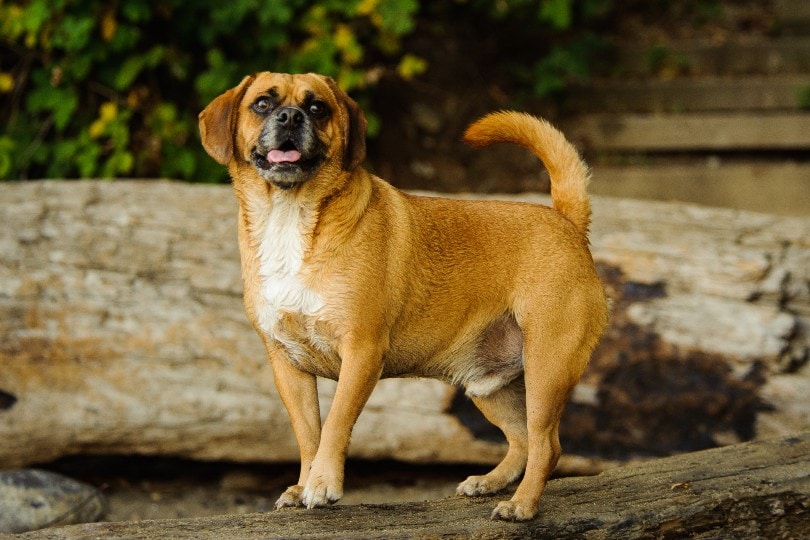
[288, 128]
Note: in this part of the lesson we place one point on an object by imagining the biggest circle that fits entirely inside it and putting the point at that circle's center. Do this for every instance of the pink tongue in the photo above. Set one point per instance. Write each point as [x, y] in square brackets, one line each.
[282, 156]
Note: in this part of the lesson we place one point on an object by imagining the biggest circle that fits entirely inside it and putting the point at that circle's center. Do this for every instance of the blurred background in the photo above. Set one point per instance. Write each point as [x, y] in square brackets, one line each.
[703, 101]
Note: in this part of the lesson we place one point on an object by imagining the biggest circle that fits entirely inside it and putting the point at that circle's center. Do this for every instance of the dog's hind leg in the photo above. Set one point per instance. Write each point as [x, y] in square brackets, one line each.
[555, 357]
[506, 409]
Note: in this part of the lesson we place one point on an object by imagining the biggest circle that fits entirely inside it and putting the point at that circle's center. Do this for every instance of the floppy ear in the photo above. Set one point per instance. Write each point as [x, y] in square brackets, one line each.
[354, 130]
[217, 122]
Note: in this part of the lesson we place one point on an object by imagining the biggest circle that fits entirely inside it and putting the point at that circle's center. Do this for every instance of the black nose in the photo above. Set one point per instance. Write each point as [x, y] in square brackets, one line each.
[289, 117]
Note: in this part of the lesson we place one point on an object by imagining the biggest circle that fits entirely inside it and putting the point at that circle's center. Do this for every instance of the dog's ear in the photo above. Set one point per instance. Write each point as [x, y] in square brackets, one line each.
[218, 121]
[354, 130]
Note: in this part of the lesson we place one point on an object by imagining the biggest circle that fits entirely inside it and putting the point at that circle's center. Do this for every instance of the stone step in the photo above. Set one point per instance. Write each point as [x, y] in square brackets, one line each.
[744, 93]
[690, 132]
[774, 188]
[793, 15]
[787, 54]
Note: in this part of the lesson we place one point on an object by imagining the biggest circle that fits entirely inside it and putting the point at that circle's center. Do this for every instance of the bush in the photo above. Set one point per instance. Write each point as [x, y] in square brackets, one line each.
[112, 89]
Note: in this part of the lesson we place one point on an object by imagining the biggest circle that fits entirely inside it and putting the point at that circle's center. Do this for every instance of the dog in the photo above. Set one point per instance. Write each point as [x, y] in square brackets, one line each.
[349, 278]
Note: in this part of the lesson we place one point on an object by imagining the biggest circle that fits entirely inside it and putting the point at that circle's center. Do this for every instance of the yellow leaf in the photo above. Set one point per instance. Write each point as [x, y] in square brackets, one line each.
[343, 37]
[107, 111]
[108, 25]
[133, 99]
[347, 44]
[106, 114]
[410, 66]
[6, 83]
[366, 7]
[96, 129]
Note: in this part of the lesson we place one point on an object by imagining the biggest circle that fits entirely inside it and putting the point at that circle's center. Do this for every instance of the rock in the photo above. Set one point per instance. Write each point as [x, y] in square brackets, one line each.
[32, 499]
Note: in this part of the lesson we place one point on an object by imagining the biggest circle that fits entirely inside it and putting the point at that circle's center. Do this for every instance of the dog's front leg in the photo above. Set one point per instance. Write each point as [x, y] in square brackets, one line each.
[299, 393]
[361, 366]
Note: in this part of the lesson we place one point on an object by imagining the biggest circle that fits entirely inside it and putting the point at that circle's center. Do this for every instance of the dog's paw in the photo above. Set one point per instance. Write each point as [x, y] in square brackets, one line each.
[321, 491]
[476, 486]
[514, 511]
[293, 496]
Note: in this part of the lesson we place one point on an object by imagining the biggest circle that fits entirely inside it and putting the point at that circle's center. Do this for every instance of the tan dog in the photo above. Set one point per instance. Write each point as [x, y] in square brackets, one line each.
[348, 278]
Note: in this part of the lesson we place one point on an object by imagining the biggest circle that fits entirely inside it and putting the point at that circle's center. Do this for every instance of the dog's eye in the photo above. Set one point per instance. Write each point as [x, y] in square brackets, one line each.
[262, 105]
[318, 108]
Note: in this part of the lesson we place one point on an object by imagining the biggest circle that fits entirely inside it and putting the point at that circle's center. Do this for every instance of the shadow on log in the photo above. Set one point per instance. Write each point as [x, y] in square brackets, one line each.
[754, 490]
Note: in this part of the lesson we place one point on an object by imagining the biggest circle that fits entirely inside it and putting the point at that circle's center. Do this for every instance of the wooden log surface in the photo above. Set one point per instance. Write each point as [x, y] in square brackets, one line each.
[122, 331]
[750, 490]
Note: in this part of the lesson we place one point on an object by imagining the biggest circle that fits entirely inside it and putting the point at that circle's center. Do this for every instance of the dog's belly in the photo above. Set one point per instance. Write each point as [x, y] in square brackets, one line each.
[490, 361]
[481, 363]
[479, 360]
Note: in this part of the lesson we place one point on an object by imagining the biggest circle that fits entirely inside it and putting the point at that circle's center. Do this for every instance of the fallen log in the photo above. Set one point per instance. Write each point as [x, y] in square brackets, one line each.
[122, 331]
[750, 490]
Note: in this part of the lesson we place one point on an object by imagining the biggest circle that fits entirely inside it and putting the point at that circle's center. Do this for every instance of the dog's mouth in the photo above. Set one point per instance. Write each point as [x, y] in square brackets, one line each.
[285, 155]
[286, 165]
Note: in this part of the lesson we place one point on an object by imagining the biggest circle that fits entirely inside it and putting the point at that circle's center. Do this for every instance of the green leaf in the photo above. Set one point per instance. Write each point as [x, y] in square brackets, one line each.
[129, 71]
[133, 66]
[35, 16]
[64, 151]
[276, 12]
[410, 66]
[125, 39]
[120, 163]
[182, 163]
[397, 16]
[73, 33]
[87, 159]
[136, 12]
[78, 66]
[219, 76]
[803, 97]
[60, 102]
[558, 13]
[7, 152]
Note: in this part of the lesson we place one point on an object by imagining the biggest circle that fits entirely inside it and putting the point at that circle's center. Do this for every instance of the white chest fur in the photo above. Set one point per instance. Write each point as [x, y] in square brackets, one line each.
[281, 256]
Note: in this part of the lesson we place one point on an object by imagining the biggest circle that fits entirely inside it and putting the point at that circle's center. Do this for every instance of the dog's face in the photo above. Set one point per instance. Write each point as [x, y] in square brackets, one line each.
[287, 128]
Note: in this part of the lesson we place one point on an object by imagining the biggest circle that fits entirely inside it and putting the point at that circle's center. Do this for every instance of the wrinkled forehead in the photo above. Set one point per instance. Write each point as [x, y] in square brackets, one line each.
[289, 89]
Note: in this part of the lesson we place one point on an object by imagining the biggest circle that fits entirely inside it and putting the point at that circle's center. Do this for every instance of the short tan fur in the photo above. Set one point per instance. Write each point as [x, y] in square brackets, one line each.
[349, 278]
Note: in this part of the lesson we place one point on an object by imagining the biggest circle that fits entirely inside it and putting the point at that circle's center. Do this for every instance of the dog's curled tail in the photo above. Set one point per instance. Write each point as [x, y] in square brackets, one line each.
[569, 174]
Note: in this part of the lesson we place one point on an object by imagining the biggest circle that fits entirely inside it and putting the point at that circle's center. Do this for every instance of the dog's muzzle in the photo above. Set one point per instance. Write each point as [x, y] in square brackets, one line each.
[289, 151]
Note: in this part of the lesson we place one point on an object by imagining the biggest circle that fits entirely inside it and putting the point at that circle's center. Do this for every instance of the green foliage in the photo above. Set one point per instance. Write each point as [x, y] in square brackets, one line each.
[113, 89]
[552, 73]
[549, 43]
[802, 95]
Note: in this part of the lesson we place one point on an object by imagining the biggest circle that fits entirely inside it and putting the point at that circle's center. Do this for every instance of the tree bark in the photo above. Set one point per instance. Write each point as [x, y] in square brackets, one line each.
[751, 490]
[122, 331]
